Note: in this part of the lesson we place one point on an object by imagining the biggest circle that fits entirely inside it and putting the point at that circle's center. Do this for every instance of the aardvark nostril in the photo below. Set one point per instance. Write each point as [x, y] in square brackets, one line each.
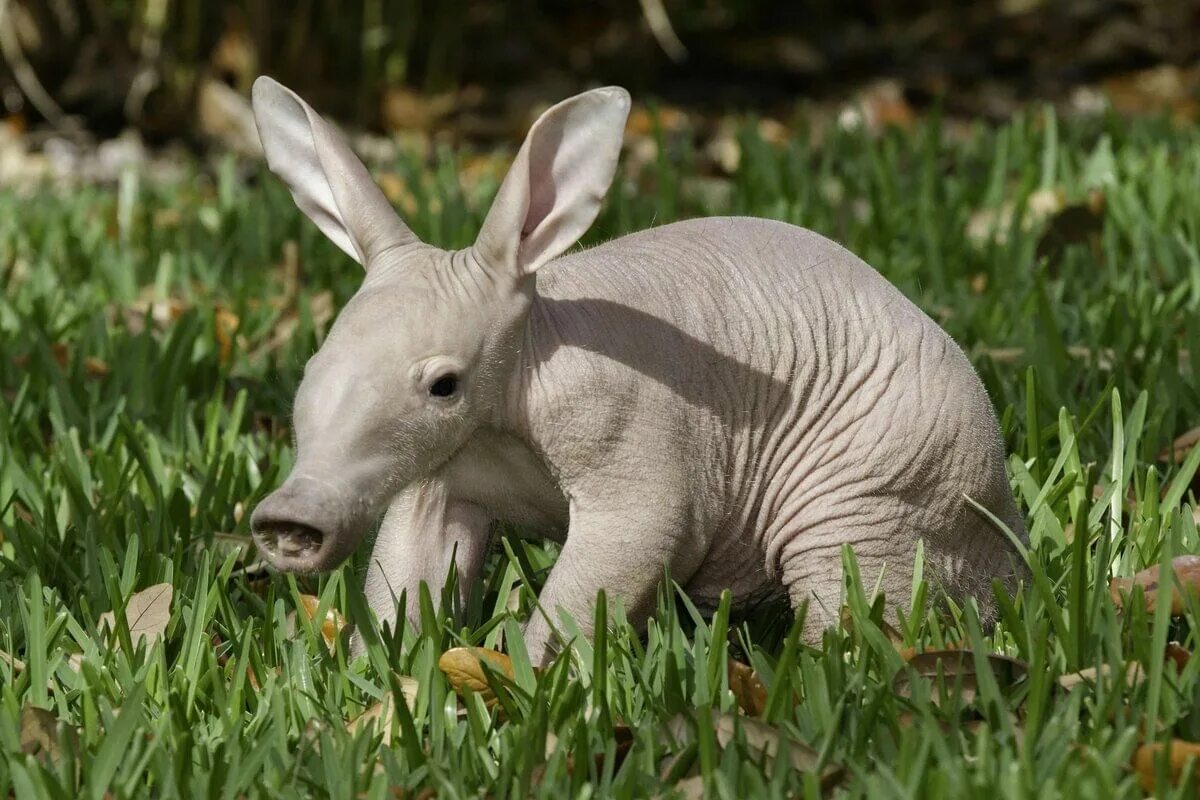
[288, 539]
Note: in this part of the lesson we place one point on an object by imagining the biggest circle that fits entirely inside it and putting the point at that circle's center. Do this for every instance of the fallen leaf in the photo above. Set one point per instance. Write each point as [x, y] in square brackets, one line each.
[691, 788]
[225, 324]
[765, 742]
[993, 225]
[147, 613]
[234, 55]
[957, 669]
[748, 688]
[1174, 653]
[1071, 225]
[463, 668]
[1179, 449]
[380, 714]
[331, 625]
[1177, 654]
[15, 664]
[402, 109]
[39, 734]
[876, 107]
[160, 313]
[1178, 753]
[224, 116]
[320, 308]
[1186, 571]
[894, 636]
[95, 367]
[1154, 90]
[1134, 674]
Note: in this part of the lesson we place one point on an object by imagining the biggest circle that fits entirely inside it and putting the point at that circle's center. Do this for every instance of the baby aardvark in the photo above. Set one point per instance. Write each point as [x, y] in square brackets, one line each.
[735, 398]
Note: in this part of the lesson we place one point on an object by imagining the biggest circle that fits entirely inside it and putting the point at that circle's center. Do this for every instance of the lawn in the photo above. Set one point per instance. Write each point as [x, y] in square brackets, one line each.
[152, 336]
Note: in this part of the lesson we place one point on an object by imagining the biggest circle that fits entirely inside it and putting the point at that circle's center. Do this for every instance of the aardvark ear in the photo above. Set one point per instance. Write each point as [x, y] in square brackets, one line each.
[554, 188]
[330, 185]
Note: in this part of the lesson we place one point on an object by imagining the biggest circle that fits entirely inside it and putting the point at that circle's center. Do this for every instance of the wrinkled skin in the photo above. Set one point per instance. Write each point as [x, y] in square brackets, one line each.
[734, 398]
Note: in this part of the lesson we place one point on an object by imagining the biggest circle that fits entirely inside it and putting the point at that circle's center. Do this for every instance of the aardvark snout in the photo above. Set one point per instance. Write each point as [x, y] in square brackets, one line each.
[300, 527]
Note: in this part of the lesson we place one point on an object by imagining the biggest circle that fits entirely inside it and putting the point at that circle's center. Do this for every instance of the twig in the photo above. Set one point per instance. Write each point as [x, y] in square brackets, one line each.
[661, 29]
[31, 87]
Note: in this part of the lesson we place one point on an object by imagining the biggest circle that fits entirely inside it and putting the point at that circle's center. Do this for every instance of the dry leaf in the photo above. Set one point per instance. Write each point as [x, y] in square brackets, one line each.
[957, 667]
[1163, 88]
[1177, 654]
[894, 636]
[462, 668]
[380, 714]
[988, 225]
[691, 788]
[39, 734]
[1174, 653]
[225, 324]
[1134, 674]
[147, 613]
[1074, 224]
[15, 664]
[1179, 753]
[331, 625]
[1186, 570]
[764, 741]
[95, 367]
[320, 307]
[159, 312]
[748, 688]
[1180, 448]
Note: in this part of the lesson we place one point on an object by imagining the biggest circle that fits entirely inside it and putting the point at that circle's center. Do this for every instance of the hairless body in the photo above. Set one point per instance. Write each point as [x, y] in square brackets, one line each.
[734, 398]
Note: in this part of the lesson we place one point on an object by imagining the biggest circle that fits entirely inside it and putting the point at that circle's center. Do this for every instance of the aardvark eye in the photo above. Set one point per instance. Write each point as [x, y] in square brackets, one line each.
[445, 386]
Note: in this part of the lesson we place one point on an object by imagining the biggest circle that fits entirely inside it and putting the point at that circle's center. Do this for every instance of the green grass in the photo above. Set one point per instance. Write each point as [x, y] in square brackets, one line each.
[111, 483]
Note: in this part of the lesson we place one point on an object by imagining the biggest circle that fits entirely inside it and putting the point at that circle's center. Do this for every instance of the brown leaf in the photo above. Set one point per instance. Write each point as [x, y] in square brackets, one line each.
[765, 742]
[147, 613]
[1134, 674]
[95, 367]
[402, 109]
[1180, 448]
[691, 788]
[1174, 653]
[321, 309]
[642, 122]
[1070, 225]
[462, 667]
[15, 664]
[158, 312]
[748, 688]
[1177, 654]
[957, 667]
[396, 189]
[39, 734]
[380, 714]
[225, 325]
[1186, 570]
[1179, 753]
[1163, 88]
[331, 625]
[894, 636]
[234, 55]
[988, 225]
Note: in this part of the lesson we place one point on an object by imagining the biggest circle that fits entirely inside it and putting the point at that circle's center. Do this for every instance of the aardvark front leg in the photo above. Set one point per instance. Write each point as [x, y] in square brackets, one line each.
[622, 552]
[417, 542]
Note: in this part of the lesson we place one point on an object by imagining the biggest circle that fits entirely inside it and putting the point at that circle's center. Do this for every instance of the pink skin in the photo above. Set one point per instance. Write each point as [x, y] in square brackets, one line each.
[736, 399]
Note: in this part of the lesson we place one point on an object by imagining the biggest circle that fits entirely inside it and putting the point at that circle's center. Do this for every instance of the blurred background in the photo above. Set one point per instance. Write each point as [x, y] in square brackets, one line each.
[88, 85]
